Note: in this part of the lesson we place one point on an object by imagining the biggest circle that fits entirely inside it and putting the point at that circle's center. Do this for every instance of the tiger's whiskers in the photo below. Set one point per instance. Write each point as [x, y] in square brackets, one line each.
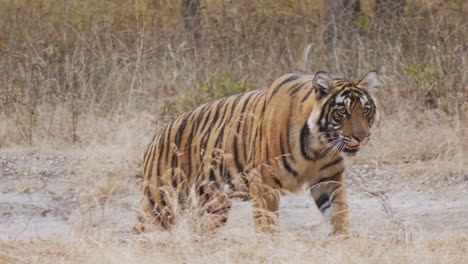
[333, 147]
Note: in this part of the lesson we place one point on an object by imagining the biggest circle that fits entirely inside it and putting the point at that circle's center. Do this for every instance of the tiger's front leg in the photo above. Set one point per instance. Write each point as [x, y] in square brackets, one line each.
[265, 205]
[330, 197]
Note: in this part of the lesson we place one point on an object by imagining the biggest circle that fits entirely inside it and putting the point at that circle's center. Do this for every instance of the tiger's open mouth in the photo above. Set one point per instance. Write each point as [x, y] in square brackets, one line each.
[352, 147]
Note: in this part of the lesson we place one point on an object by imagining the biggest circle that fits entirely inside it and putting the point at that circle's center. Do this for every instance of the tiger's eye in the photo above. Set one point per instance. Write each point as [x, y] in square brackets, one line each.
[342, 111]
[366, 110]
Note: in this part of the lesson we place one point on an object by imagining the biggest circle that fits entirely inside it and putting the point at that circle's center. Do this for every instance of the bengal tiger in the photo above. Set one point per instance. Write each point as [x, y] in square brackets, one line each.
[262, 144]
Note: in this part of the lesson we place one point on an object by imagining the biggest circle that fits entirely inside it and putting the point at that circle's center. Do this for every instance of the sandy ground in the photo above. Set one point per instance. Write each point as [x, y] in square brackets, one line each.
[43, 197]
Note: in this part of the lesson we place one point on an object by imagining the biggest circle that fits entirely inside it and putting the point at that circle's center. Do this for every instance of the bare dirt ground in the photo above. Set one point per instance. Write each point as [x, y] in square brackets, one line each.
[43, 197]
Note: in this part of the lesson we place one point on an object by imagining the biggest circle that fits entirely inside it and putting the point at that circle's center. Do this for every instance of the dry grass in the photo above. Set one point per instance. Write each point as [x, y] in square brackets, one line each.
[422, 142]
[67, 68]
[181, 247]
[95, 79]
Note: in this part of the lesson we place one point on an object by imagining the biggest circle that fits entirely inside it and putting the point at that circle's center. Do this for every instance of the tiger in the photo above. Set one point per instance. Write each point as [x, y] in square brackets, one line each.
[260, 145]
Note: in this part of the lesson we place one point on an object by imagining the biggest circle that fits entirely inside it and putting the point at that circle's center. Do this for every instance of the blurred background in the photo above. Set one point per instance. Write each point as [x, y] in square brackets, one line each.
[83, 73]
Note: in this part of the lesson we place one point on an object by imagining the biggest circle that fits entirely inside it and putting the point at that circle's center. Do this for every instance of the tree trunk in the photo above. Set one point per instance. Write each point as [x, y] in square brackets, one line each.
[341, 19]
[341, 28]
[191, 19]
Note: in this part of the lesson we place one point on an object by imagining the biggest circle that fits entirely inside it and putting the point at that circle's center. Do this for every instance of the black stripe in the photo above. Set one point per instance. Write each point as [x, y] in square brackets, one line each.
[160, 151]
[290, 78]
[257, 151]
[189, 149]
[154, 138]
[168, 143]
[239, 122]
[323, 198]
[260, 135]
[236, 156]
[288, 144]
[174, 164]
[244, 141]
[174, 180]
[243, 110]
[332, 178]
[207, 134]
[229, 181]
[180, 132]
[201, 114]
[222, 123]
[307, 95]
[286, 164]
[264, 107]
[220, 138]
[150, 148]
[347, 85]
[191, 136]
[222, 168]
[289, 168]
[250, 133]
[149, 158]
[304, 139]
[204, 113]
[201, 190]
[322, 112]
[213, 169]
[178, 138]
[210, 111]
[338, 160]
[221, 135]
[234, 105]
[288, 128]
[245, 130]
[150, 197]
[296, 88]
[213, 175]
[278, 182]
[216, 116]
[350, 150]
[161, 197]
[259, 132]
[245, 180]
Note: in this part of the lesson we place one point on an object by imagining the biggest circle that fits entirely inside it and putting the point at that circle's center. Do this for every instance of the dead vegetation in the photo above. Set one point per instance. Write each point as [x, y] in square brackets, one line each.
[183, 247]
[94, 80]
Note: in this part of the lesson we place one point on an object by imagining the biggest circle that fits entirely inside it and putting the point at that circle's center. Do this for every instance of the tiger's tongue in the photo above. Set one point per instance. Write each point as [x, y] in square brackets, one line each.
[353, 147]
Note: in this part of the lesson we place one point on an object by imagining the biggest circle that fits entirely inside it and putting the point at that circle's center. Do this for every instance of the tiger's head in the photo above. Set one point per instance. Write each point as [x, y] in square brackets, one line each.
[348, 111]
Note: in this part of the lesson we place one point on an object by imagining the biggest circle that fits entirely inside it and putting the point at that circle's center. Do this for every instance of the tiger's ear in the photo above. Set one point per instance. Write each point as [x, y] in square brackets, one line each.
[323, 84]
[371, 80]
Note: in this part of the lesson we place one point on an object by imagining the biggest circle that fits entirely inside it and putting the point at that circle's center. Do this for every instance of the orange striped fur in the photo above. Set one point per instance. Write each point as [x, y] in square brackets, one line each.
[259, 145]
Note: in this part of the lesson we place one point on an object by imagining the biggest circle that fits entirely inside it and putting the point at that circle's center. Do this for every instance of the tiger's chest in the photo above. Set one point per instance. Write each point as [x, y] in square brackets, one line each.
[311, 172]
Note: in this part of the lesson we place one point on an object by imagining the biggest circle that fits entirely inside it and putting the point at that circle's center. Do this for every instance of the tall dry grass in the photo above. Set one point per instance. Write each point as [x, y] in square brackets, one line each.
[235, 248]
[82, 74]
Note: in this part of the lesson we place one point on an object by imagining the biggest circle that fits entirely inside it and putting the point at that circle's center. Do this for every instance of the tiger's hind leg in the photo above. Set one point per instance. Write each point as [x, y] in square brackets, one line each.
[158, 210]
[151, 218]
[330, 198]
[213, 209]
